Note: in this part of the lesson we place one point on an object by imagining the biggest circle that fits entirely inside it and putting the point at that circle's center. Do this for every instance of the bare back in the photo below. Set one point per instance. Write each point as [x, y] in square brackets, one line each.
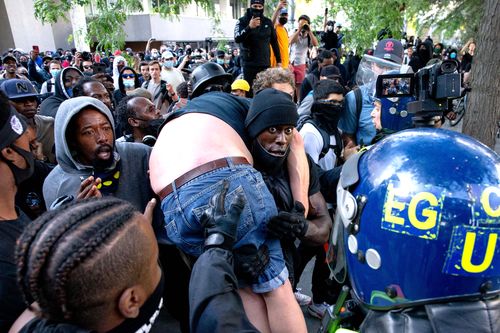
[189, 141]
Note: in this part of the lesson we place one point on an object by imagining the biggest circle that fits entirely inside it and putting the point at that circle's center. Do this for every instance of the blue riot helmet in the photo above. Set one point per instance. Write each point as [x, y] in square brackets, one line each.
[420, 217]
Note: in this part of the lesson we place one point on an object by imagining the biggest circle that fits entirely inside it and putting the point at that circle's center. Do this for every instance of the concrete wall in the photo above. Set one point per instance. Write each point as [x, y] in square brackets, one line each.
[185, 28]
[26, 30]
[7, 40]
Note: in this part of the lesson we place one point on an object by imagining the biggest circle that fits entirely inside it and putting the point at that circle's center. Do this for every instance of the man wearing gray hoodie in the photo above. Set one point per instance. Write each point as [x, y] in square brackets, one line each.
[91, 163]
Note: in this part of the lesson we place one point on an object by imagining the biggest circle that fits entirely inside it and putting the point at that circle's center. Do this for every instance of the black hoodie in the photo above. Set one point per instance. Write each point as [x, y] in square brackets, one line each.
[422, 56]
[50, 105]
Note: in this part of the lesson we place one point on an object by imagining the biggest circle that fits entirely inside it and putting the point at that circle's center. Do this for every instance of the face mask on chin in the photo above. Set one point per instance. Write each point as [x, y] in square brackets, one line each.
[266, 162]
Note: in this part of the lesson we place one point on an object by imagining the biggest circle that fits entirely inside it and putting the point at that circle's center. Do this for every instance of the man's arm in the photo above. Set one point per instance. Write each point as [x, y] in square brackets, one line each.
[294, 37]
[319, 220]
[314, 40]
[275, 45]
[325, 19]
[281, 4]
[32, 70]
[298, 170]
[242, 30]
[214, 302]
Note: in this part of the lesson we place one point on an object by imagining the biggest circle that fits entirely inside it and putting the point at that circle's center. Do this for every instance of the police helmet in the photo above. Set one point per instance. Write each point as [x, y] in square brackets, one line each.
[209, 74]
[420, 217]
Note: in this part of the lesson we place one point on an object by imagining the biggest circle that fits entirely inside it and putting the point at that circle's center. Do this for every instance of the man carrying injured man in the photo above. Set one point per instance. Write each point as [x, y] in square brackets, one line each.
[201, 146]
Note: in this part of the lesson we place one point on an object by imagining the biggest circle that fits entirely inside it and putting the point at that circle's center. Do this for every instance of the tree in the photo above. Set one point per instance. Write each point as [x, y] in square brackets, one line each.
[105, 24]
[368, 17]
[483, 106]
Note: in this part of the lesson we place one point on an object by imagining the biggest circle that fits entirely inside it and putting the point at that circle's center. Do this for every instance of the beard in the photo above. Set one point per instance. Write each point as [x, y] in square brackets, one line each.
[100, 163]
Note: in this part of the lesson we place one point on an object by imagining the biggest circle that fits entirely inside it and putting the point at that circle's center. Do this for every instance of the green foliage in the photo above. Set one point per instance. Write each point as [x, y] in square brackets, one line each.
[368, 17]
[105, 26]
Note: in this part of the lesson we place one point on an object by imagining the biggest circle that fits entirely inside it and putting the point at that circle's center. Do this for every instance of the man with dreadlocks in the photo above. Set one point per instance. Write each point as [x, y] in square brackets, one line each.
[91, 266]
[16, 165]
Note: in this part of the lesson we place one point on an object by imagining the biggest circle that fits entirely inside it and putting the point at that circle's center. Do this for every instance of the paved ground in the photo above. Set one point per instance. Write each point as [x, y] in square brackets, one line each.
[168, 324]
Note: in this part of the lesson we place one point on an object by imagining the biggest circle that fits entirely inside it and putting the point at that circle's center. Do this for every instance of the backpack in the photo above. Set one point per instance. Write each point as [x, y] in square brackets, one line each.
[163, 90]
[337, 148]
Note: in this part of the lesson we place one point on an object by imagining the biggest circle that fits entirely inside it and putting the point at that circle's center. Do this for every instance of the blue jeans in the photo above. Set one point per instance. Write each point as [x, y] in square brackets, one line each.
[184, 207]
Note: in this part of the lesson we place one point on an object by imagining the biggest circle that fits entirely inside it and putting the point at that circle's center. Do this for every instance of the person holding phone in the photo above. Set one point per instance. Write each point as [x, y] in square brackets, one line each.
[254, 32]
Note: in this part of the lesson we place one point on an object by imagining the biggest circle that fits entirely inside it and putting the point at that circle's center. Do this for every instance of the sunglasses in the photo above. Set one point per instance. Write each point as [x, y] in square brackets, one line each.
[128, 76]
[87, 67]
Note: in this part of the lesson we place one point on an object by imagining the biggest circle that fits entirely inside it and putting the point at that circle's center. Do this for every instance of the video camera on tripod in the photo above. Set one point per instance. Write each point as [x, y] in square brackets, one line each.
[433, 86]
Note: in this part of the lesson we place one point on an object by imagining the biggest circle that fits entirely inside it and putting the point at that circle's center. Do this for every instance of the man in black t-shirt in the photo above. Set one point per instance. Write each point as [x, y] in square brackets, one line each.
[270, 123]
[16, 165]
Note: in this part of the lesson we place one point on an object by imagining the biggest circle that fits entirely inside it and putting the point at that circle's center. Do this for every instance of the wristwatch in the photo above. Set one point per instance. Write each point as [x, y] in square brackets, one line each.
[215, 239]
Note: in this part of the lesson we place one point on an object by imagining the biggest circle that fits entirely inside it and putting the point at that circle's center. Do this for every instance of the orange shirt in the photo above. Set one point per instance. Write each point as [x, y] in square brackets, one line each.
[282, 36]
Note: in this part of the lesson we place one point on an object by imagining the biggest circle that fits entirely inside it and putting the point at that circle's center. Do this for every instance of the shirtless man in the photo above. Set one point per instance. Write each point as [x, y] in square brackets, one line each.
[199, 147]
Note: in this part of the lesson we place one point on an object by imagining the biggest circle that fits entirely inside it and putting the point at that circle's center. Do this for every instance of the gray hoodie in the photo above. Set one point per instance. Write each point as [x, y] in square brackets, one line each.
[65, 178]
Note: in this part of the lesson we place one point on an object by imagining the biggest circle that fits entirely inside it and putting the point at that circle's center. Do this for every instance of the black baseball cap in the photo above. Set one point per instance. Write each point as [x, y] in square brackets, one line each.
[390, 49]
[18, 89]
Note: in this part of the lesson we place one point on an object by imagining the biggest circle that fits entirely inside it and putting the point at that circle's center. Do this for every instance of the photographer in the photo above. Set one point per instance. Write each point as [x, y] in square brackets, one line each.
[254, 32]
[301, 40]
[329, 37]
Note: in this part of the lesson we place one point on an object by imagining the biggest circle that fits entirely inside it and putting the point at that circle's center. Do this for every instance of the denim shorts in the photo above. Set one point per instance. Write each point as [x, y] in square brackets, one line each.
[184, 207]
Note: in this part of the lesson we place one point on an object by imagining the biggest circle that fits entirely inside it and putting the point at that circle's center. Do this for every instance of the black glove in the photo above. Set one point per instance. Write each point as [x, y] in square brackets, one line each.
[289, 225]
[249, 262]
[221, 227]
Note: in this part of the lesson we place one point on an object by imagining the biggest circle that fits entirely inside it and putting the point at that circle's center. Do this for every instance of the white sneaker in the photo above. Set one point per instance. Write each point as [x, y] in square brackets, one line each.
[302, 299]
[317, 309]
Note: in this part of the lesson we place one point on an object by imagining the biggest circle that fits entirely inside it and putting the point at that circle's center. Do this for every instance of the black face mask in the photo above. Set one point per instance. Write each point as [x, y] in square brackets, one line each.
[328, 115]
[24, 64]
[147, 314]
[283, 20]
[264, 161]
[21, 175]
[257, 12]
[152, 127]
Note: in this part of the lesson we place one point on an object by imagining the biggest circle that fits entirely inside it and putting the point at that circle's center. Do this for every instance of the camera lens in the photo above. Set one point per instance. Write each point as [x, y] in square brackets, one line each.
[448, 67]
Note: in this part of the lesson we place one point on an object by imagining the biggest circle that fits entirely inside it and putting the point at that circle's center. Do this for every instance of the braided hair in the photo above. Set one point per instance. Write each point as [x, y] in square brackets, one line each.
[75, 260]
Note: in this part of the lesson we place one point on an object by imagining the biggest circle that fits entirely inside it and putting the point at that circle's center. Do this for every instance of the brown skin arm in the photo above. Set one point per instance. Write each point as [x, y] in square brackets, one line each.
[319, 220]
[298, 170]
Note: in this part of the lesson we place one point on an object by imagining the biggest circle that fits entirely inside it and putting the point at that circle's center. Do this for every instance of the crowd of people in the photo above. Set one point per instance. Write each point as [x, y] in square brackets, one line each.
[206, 180]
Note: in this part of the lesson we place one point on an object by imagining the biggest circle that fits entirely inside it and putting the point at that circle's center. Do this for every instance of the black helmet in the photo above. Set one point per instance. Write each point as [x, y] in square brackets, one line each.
[207, 74]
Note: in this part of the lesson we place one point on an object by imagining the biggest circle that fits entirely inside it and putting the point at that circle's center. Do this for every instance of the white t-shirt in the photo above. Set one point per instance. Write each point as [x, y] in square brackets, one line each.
[313, 144]
[299, 51]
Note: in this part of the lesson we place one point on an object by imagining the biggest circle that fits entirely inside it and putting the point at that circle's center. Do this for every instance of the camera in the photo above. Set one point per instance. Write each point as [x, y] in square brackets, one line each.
[305, 28]
[433, 86]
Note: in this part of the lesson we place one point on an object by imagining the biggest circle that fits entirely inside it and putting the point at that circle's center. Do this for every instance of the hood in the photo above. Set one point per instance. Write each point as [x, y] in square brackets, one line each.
[425, 54]
[67, 110]
[60, 91]
[116, 72]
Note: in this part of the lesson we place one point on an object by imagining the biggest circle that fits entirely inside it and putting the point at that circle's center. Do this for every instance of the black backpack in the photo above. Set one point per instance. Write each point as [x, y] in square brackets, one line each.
[337, 148]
